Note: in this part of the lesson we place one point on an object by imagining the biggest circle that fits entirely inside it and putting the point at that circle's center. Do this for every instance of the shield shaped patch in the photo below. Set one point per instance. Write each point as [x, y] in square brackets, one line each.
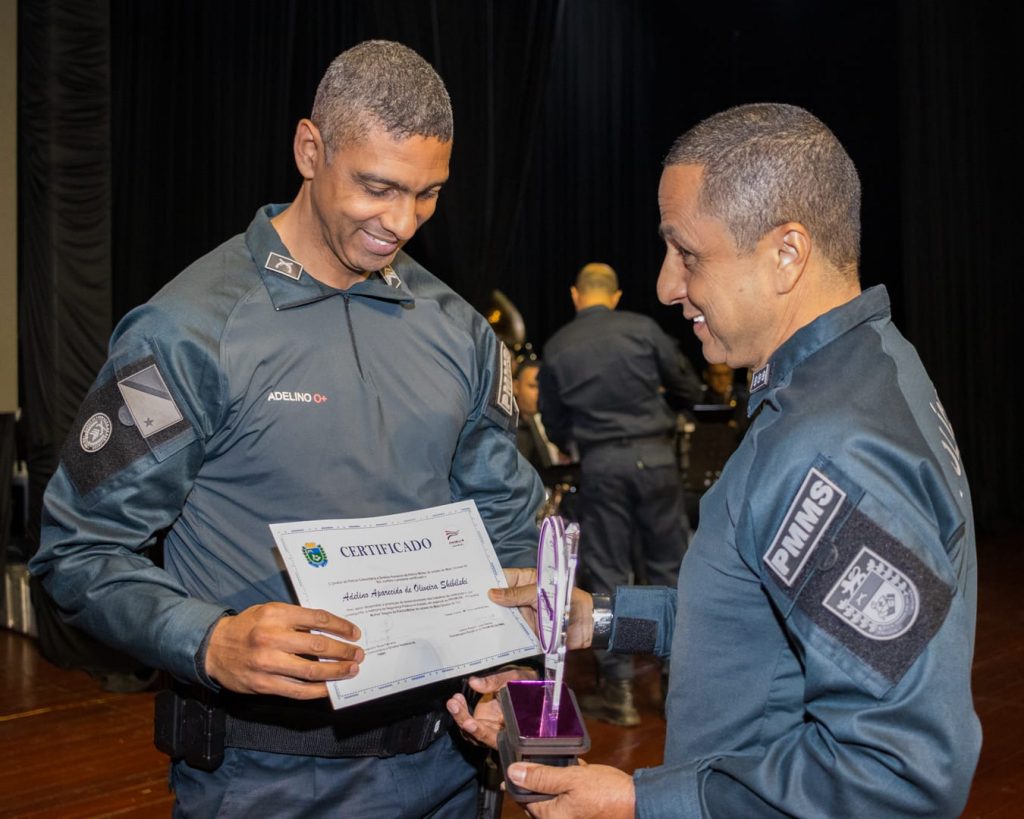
[874, 597]
[315, 555]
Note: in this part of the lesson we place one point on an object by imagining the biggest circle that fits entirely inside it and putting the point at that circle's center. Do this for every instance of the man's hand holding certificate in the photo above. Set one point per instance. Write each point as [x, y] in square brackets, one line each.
[416, 586]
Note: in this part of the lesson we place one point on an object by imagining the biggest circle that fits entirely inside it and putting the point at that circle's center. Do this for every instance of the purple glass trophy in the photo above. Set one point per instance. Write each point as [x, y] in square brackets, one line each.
[542, 720]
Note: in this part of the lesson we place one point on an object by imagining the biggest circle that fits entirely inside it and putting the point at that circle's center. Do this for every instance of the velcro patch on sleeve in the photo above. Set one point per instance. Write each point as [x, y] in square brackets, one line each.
[502, 403]
[119, 422]
[634, 635]
[878, 599]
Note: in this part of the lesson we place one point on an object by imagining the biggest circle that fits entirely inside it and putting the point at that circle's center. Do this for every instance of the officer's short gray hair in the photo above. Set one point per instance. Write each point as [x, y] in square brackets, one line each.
[383, 84]
[767, 164]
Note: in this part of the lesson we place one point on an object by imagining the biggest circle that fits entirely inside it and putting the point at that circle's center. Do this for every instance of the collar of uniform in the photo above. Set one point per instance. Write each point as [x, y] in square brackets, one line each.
[376, 285]
[593, 310]
[263, 240]
[872, 304]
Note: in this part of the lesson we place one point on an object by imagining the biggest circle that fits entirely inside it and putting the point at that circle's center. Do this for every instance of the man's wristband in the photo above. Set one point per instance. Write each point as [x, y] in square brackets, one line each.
[603, 615]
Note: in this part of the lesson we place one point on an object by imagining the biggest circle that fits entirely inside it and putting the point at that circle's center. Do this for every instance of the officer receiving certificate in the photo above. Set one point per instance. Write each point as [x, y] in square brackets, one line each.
[416, 585]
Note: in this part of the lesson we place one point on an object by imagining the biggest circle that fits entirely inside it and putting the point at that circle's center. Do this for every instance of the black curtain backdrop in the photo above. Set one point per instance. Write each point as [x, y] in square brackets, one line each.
[64, 246]
[563, 110]
[961, 126]
[64, 274]
[206, 97]
[628, 78]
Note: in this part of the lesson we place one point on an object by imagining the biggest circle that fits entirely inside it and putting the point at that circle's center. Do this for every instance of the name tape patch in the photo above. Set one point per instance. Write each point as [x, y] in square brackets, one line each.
[813, 509]
[283, 265]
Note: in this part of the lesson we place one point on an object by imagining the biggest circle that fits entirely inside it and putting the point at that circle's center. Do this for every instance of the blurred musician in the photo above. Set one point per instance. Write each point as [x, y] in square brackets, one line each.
[531, 437]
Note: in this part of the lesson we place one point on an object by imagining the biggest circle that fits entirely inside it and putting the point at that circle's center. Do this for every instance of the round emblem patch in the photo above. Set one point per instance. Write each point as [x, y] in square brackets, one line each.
[874, 597]
[95, 433]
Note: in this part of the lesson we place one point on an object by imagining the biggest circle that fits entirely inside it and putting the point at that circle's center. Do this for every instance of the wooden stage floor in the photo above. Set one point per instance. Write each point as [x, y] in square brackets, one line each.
[69, 749]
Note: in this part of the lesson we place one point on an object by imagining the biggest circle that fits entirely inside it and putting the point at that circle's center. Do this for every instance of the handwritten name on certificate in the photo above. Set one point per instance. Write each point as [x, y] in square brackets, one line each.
[416, 585]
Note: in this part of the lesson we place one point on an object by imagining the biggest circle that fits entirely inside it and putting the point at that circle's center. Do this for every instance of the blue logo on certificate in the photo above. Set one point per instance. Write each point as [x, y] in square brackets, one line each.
[315, 555]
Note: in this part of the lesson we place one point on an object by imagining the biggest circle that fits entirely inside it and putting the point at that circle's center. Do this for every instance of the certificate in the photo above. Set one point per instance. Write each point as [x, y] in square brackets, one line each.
[416, 585]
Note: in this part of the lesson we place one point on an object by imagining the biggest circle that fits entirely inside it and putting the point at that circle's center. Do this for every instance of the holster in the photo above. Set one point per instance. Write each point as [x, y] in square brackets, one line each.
[195, 724]
[191, 729]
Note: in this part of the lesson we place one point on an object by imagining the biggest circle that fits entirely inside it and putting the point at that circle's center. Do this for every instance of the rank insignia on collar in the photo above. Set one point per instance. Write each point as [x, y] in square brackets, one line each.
[759, 380]
[283, 265]
[390, 277]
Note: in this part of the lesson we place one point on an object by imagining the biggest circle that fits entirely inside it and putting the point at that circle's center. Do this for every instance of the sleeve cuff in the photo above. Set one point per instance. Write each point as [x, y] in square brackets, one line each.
[668, 791]
[200, 655]
[644, 618]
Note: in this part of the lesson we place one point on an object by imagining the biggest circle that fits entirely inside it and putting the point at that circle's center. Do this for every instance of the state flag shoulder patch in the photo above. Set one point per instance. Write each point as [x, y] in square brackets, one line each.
[149, 401]
[124, 418]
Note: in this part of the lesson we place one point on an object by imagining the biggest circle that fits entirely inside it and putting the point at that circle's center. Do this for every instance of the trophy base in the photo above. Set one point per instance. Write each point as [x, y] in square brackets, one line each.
[530, 735]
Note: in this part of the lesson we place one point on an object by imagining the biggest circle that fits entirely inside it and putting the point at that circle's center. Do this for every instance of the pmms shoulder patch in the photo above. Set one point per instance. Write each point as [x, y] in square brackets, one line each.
[502, 399]
[812, 510]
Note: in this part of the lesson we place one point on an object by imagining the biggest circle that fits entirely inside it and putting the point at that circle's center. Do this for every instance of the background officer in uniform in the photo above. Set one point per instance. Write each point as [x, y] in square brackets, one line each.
[612, 382]
[306, 369]
[822, 631]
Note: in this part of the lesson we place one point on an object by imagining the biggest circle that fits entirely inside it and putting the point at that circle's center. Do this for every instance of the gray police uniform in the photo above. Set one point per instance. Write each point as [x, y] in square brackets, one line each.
[822, 632]
[246, 392]
[607, 382]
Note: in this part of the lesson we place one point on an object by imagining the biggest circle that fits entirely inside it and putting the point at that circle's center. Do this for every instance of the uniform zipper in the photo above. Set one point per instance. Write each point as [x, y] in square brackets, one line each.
[352, 335]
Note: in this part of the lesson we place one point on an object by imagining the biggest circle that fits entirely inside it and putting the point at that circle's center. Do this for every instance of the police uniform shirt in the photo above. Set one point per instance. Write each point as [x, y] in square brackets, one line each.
[602, 376]
[247, 392]
[822, 633]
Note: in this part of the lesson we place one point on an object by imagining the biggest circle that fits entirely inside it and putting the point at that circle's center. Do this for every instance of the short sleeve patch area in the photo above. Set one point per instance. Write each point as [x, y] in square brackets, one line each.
[878, 599]
[120, 421]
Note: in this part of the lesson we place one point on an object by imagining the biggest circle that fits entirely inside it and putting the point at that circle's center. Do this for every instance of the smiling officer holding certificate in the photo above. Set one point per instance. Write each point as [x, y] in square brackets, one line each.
[307, 369]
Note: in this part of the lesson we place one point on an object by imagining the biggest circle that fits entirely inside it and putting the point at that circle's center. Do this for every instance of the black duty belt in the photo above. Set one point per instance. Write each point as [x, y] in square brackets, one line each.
[315, 738]
[663, 438]
[195, 724]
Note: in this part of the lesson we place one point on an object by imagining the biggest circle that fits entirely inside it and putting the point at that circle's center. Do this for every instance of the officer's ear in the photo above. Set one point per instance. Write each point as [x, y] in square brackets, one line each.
[308, 148]
[790, 244]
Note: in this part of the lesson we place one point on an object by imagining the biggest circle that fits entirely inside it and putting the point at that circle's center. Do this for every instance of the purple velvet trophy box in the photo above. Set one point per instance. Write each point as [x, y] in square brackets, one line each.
[543, 722]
